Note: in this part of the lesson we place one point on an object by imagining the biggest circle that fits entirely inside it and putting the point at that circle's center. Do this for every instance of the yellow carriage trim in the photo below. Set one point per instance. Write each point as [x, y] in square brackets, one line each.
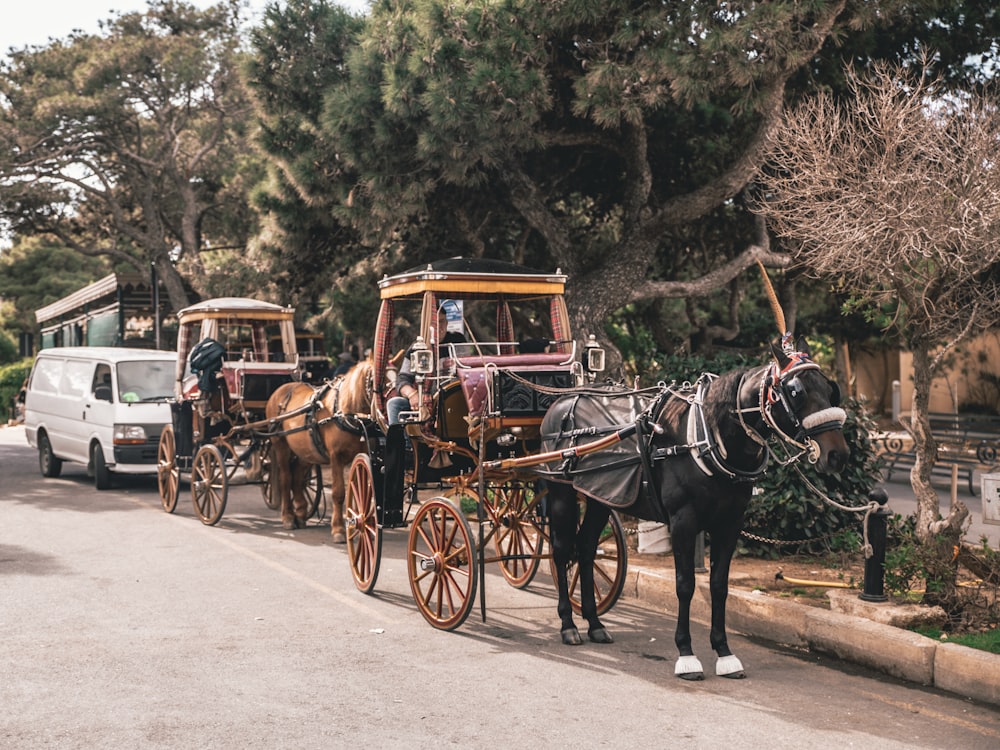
[434, 278]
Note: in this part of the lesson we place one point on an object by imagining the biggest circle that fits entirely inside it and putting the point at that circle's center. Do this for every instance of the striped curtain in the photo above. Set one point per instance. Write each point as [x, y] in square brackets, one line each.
[560, 323]
[428, 319]
[383, 348]
[184, 344]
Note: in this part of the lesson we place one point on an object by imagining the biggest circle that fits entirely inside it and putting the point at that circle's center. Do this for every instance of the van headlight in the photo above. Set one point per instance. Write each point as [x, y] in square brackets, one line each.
[129, 434]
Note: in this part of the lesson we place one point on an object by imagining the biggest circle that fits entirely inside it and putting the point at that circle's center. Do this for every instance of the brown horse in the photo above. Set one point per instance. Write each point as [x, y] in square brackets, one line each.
[322, 426]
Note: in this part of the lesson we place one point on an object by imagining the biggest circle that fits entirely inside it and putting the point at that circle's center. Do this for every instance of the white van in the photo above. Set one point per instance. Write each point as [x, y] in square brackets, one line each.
[100, 406]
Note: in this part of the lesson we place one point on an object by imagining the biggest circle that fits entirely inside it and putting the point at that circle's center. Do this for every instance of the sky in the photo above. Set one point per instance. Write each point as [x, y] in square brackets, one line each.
[35, 22]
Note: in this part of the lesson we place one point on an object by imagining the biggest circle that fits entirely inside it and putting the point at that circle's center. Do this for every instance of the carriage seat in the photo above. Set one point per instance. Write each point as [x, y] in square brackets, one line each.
[551, 368]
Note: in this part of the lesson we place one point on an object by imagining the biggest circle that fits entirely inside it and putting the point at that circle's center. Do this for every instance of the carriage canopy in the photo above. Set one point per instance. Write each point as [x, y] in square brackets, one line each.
[244, 327]
[496, 305]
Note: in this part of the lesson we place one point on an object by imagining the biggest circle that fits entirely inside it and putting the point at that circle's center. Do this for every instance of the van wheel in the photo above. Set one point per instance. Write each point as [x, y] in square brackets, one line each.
[102, 476]
[47, 461]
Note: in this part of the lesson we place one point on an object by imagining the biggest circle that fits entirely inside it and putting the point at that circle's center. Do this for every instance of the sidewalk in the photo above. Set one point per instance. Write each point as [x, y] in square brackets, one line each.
[851, 630]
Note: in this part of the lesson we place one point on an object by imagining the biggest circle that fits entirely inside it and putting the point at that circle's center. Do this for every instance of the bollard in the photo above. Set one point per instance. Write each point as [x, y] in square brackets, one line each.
[874, 590]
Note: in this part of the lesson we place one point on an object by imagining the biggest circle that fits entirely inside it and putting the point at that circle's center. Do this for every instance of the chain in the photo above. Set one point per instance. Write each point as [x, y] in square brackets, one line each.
[780, 542]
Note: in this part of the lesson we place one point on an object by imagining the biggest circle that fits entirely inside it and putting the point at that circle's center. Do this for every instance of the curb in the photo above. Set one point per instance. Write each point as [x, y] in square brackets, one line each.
[965, 671]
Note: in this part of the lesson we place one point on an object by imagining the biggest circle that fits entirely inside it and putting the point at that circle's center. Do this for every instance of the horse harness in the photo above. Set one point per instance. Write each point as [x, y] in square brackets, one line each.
[346, 422]
[777, 387]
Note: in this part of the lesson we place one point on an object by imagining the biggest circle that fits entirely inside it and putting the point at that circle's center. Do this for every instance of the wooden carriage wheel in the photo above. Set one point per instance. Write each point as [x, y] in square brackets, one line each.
[364, 534]
[209, 484]
[313, 490]
[315, 499]
[441, 564]
[519, 535]
[267, 478]
[168, 476]
[610, 566]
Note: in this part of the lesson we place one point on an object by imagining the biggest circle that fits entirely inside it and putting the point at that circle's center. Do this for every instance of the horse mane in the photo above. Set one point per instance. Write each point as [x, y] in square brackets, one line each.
[718, 405]
[722, 396]
[355, 396]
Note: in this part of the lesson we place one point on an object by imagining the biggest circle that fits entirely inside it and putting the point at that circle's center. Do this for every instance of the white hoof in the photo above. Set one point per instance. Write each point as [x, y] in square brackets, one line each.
[729, 666]
[689, 668]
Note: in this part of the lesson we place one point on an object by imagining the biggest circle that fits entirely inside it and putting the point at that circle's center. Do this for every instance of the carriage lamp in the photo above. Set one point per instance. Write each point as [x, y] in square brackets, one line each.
[421, 358]
[594, 361]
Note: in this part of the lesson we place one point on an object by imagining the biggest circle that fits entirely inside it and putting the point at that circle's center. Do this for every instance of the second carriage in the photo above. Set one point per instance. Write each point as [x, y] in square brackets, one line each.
[483, 391]
[233, 353]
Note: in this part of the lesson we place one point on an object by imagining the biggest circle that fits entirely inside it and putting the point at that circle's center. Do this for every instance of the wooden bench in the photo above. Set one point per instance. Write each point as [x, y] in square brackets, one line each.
[966, 441]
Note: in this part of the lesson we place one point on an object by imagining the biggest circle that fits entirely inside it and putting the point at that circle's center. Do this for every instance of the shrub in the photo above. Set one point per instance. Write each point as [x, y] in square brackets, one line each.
[786, 509]
[11, 379]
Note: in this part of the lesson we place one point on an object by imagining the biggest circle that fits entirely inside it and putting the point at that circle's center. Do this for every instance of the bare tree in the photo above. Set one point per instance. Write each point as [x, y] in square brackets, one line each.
[894, 195]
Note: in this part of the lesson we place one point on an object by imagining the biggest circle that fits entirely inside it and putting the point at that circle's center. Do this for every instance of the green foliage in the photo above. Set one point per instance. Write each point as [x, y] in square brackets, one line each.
[930, 569]
[987, 640]
[131, 143]
[12, 377]
[27, 279]
[303, 245]
[787, 509]
[8, 348]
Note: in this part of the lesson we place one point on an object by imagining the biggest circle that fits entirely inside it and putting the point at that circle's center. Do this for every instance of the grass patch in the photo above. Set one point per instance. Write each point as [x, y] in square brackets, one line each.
[987, 641]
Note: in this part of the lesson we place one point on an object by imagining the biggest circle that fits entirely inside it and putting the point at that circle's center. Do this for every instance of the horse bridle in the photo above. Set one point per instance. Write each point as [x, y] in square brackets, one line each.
[783, 387]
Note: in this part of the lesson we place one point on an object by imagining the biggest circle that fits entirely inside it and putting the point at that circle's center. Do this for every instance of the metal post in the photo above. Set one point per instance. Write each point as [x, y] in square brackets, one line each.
[155, 283]
[897, 402]
[874, 590]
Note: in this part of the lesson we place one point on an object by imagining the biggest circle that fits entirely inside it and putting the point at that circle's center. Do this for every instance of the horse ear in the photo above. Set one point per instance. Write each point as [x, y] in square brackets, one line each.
[778, 353]
[803, 346]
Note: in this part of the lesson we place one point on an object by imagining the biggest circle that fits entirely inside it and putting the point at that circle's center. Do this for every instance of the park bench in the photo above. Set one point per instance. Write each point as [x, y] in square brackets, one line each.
[965, 441]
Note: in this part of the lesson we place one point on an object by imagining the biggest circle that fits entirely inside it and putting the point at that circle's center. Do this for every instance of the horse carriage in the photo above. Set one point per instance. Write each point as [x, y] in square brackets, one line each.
[504, 413]
[492, 350]
[233, 353]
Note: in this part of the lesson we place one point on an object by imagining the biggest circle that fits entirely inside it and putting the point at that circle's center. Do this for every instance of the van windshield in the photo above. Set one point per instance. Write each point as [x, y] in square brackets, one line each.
[145, 381]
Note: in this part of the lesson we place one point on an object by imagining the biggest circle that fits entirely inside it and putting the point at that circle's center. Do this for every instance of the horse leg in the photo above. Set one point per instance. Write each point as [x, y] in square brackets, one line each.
[683, 530]
[337, 491]
[562, 531]
[300, 474]
[722, 549]
[594, 520]
[281, 467]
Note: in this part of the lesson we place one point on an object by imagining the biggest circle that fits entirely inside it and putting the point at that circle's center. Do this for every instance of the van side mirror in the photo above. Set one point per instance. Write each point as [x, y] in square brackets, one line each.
[103, 393]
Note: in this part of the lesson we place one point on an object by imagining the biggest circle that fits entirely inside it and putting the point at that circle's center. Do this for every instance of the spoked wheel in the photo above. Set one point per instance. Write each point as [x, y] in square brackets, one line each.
[313, 491]
[209, 484]
[519, 536]
[610, 567]
[168, 476]
[364, 535]
[441, 564]
[267, 478]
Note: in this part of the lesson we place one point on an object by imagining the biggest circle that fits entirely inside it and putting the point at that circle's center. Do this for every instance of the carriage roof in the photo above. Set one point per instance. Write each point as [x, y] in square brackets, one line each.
[235, 307]
[470, 278]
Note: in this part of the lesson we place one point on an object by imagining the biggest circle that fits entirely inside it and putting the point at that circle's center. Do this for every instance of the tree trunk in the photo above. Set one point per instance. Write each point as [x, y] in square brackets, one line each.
[172, 283]
[928, 503]
[939, 538]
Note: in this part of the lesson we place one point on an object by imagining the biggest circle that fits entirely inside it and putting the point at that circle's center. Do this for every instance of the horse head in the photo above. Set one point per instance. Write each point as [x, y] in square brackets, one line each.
[803, 406]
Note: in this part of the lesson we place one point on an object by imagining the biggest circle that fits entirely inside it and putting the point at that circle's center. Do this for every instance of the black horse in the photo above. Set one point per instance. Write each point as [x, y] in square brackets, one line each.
[687, 456]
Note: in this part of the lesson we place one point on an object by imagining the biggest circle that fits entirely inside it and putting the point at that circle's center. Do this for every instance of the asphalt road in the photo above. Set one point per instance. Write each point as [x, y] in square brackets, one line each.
[124, 627]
